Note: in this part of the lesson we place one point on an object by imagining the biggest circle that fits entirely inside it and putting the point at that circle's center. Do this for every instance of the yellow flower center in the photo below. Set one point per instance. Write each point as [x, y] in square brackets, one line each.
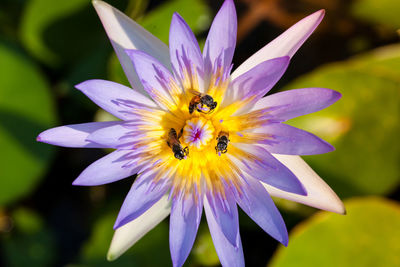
[194, 142]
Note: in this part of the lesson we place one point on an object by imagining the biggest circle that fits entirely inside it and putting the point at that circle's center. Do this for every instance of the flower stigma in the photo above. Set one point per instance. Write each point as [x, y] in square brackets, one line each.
[197, 133]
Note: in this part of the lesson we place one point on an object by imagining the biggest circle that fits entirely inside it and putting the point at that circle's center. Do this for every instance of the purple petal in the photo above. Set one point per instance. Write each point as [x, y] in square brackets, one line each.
[289, 140]
[294, 103]
[74, 135]
[221, 39]
[258, 81]
[110, 168]
[257, 203]
[115, 98]
[124, 33]
[285, 44]
[184, 222]
[229, 255]
[142, 195]
[117, 136]
[184, 49]
[226, 214]
[264, 167]
[156, 79]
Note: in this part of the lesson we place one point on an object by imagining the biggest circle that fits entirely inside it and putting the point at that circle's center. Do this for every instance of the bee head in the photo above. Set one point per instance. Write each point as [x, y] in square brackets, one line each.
[222, 147]
[213, 105]
[208, 101]
[179, 154]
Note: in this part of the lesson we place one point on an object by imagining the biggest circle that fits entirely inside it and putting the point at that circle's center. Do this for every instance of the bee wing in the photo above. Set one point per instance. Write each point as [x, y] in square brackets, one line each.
[193, 92]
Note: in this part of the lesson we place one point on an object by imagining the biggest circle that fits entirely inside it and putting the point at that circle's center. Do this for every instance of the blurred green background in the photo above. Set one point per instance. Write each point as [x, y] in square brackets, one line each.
[48, 46]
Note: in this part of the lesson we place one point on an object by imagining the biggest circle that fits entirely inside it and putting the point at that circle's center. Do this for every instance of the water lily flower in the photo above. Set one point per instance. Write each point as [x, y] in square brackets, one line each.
[200, 137]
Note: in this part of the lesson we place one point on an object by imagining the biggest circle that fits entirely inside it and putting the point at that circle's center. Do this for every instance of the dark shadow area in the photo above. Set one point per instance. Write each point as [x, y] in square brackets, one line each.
[25, 130]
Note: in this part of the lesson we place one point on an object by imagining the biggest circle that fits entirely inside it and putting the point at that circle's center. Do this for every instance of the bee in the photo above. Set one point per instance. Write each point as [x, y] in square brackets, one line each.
[222, 143]
[173, 142]
[200, 100]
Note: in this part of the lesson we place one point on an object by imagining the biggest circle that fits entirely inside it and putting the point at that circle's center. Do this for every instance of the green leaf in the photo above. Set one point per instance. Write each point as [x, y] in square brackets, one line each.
[203, 250]
[37, 17]
[26, 109]
[30, 243]
[383, 12]
[141, 254]
[364, 126]
[102, 115]
[366, 236]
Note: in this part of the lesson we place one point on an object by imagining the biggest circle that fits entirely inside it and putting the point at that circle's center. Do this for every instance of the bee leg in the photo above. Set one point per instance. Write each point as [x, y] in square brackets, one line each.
[210, 110]
[186, 151]
[200, 108]
[180, 133]
[224, 151]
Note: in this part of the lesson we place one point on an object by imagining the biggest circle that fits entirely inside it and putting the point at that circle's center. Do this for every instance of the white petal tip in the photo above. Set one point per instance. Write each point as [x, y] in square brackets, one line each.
[339, 208]
[76, 183]
[316, 16]
[127, 235]
[112, 256]
[319, 196]
[96, 3]
[47, 137]
[321, 12]
[82, 86]
[83, 181]
[285, 44]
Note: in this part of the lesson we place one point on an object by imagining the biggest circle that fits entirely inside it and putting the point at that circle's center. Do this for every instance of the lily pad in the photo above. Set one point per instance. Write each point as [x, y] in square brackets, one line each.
[30, 242]
[203, 252]
[364, 126]
[383, 12]
[26, 109]
[366, 236]
[37, 17]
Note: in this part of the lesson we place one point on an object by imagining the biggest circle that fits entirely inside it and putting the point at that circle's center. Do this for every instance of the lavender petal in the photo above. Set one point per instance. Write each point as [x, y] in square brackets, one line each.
[257, 203]
[286, 139]
[158, 82]
[114, 98]
[142, 195]
[184, 50]
[294, 103]
[258, 81]
[226, 214]
[74, 135]
[221, 39]
[230, 255]
[108, 169]
[184, 223]
[264, 167]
